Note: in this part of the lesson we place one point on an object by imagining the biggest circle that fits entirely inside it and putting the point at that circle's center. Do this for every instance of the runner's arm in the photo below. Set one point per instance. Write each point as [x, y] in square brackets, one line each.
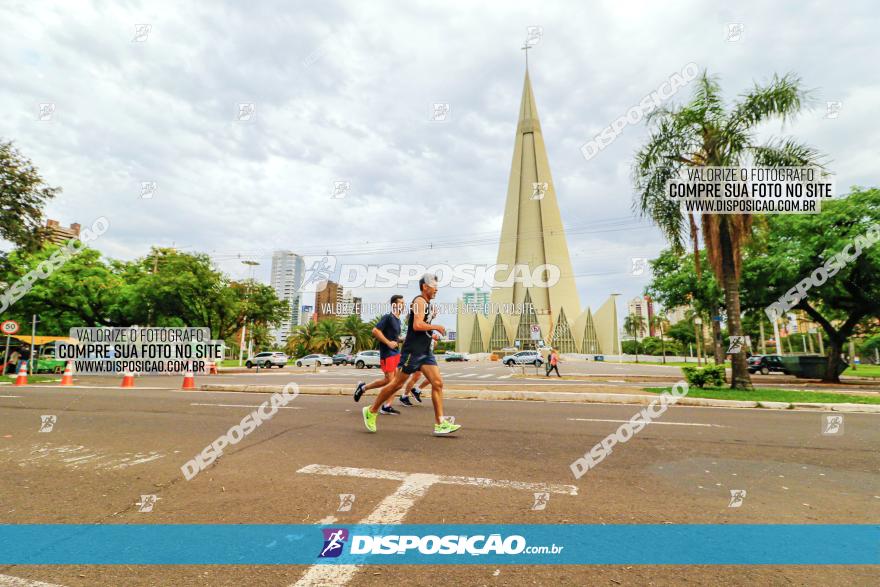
[419, 323]
[383, 339]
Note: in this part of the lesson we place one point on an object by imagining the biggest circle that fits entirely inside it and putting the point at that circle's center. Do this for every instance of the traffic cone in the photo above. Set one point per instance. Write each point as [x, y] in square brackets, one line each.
[212, 368]
[127, 379]
[67, 378]
[22, 374]
[189, 380]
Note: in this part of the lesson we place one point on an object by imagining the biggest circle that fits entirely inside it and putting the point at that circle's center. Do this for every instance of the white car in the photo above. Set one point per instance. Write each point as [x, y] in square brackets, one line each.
[267, 360]
[312, 360]
[523, 358]
[367, 359]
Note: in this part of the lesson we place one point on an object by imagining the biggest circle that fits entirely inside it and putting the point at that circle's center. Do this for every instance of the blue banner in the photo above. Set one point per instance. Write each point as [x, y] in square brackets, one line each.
[267, 544]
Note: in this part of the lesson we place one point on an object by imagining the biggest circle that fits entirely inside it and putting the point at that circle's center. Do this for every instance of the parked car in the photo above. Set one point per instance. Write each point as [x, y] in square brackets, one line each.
[456, 357]
[343, 359]
[368, 359]
[766, 363]
[267, 360]
[312, 360]
[523, 358]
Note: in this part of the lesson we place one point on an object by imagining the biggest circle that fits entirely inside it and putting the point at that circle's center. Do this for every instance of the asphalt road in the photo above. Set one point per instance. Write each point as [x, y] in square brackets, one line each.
[477, 375]
[109, 446]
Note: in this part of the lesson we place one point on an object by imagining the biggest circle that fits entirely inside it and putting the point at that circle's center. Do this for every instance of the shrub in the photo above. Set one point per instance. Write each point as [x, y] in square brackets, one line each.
[699, 377]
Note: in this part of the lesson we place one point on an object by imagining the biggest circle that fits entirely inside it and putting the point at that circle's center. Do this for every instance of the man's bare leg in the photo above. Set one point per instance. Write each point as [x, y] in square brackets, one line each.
[386, 379]
[389, 390]
[432, 374]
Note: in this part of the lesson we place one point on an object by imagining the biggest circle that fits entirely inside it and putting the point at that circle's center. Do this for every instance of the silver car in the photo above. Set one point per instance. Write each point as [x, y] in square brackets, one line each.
[523, 358]
[312, 360]
[267, 360]
[367, 359]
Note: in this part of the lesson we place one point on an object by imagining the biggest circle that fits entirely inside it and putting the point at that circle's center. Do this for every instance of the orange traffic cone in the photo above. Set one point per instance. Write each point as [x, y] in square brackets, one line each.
[67, 378]
[212, 368]
[189, 380]
[127, 379]
[22, 374]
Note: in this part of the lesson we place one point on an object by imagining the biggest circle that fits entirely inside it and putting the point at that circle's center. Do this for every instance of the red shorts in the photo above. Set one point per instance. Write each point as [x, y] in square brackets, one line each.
[389, 364]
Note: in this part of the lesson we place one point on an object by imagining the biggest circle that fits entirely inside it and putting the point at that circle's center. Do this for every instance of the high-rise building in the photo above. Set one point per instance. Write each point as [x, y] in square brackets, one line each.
[286, 279]
[643, 307]
[59, 234]
[327, 298]
[527, 315]
[477, 300]
[350, 304]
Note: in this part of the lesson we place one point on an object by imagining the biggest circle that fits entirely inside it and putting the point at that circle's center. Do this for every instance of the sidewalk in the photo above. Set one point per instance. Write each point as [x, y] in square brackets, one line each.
[566, 396]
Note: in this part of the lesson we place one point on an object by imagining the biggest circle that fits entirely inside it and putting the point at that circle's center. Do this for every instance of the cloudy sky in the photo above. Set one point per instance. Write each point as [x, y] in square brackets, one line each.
[343, 92]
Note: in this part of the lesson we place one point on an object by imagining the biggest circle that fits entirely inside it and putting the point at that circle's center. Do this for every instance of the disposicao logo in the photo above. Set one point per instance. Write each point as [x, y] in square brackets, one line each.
[334, 540]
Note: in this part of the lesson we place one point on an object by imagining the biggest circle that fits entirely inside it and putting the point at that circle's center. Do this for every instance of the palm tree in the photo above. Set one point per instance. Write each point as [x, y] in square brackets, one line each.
[659, 321]
[704, 133]
[633, 325]
[302, 338]
[360, 330]
[327, 336]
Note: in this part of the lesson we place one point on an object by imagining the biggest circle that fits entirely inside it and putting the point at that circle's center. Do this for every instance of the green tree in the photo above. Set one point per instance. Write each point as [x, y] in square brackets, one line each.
[793, 247]
[633, 325]
[23, 193]
[327, 336]
[361, 331]
[83, 291]
[302, 340]
[704, 133]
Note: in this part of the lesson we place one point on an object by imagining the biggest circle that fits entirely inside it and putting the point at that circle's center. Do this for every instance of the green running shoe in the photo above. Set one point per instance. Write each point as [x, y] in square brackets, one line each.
[369, 419]
[445, 428]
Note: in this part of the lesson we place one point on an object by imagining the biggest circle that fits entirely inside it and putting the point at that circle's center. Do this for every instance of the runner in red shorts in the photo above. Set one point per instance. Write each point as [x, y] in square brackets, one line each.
[387, 332]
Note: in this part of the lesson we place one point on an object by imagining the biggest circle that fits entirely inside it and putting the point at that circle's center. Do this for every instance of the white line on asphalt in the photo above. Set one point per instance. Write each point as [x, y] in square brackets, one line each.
[247, 406]
[505, 376]
[663, 423]
[484, 376]
[10, 396]
[468, 375]
[393, 509]
[10, 581]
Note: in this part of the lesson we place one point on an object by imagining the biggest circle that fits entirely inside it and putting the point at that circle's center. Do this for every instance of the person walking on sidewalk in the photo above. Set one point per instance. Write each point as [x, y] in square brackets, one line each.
[553, 362]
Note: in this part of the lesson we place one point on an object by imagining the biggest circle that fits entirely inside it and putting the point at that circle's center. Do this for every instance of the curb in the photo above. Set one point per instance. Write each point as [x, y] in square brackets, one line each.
[562, 396]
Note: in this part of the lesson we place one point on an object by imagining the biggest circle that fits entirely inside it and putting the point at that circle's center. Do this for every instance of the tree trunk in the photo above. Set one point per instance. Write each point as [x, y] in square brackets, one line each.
[716, 336]
[740, 378]
[836, 338]
[833, 361]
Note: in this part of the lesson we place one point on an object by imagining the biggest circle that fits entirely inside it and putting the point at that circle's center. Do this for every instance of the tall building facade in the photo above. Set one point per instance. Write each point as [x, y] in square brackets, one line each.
[529, 315]
[643, 307]
[58, 234]
[286, 279]
[327, 298]
[478, 300]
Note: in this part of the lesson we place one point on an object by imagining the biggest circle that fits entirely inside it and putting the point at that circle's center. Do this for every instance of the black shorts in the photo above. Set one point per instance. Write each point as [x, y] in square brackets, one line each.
[411, 363]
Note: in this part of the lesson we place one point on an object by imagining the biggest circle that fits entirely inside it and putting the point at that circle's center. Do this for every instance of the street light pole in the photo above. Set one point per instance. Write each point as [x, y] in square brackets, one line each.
[250, 264]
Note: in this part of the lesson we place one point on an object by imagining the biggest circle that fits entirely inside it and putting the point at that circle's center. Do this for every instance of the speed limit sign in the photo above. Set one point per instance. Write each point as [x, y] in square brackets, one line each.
[9, 327]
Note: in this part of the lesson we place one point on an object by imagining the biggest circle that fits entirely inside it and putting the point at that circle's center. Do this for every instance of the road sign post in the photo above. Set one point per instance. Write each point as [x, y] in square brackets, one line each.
[7, 327]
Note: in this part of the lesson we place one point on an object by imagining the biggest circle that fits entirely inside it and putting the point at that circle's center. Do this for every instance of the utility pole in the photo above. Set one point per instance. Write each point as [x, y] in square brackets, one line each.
[247, 296]
[763, 342]
[33, 339]
[777, 337]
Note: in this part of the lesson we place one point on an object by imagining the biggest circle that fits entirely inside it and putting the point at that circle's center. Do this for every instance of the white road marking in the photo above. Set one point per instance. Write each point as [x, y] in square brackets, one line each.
[247, 406]
[10, 581]
[464, 375]
[654, 422]
[393, 509]
[505, 376]
[484, 376]
[73, 456]
[10, 396]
